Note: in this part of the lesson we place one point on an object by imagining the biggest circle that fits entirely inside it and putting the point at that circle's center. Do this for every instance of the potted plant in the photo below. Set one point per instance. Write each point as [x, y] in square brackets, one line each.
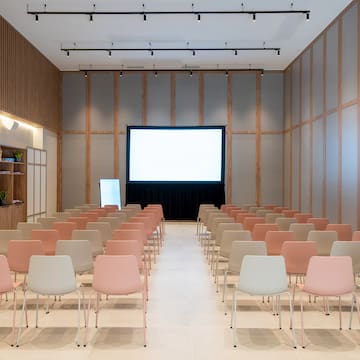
[18, 155]
[3, 197]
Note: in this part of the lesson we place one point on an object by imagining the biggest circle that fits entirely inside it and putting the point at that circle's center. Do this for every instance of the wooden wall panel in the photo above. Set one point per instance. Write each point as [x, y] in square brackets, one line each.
[29, 83]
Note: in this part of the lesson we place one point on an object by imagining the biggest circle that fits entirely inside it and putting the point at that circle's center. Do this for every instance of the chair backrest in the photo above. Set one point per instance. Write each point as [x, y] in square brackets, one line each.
[202, 210]
[284, 223]
[135, 225]
[301, 230]
[125, 247]
[235, 211]
[241, 248]
[263, 275]
[249, 222]
[48, 237]
[79, 251]
[119, 214]
[103, 227]
[65, 229]
[90, 215]
[275, 239]
[80, 221]
[62, 215]
[260, 230]
[51, 275]
[302, 218]
[228, 236]
[220, 220]
[211, 219]
[6, 282]
[356, 236]
[279, 209]
[146, 220]
[133, 206]
[253, 209]
[116, 274]
[26, 228]
[262, 212]
[320, 223]
[74, 212]
[113, 207]
[297, 255]
[270, 207]
[329, 276]
[6, 236]
[289, 213]
[348, 248]
[128, 234]
[225, 226]
[240, 217]
[46, 222]
[344, 231]
[324, 240]
[114, 221]
[93, 236]
[271, 217]
[19, 253]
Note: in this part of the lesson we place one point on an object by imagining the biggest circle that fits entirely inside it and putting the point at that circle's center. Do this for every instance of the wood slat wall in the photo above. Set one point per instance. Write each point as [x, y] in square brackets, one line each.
[29, 82]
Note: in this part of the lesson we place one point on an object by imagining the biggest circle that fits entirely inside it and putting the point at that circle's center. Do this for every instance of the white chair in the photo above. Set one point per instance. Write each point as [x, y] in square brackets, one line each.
[284, 223]
[324, 240]
[51, 276]
[103, 227]
[26, 229]
[47, 222]
[270, 218]
[6, 236]
[301, 230]
[263, 276]
[114, 221]
[348, 248]
[94, 238]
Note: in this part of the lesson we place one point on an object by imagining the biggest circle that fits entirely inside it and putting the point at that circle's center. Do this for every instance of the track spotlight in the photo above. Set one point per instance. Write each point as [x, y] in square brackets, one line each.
[144, 17]
[278, 52]
[91, 18]
[198, 17]
[193, 53]
[121, 74]
[235, 52]
[36, 18]
[85, 74]
[191, 73]
[226, 73]
[110, 53]
[307, 16]
[68, 53]
[262, 73]
[156, 74]
[254, 17]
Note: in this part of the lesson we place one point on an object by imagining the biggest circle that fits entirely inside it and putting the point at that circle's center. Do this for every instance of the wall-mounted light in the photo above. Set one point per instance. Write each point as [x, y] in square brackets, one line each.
[121, 74]
[198, 17]
[91, 18]
[36, 18]
[254, 17]
[109, 53]
[278, 51]
[307, 16]
[68, 53]
[11, 124]
[193, 53]
[191, 73]
[235, 52]
[262, 73]
[226, 73]
[85, 74]
[156, 74]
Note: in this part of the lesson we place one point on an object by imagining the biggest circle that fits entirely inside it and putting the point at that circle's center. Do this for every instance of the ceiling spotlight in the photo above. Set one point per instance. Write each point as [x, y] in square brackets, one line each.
[91, 18]
[254, 17]
[121, 74]
[110, 53]
[193, 53]
[85, 74]
[36, 18]
[307, 16]
[235, 52]
[191, 74]
[68, 53]
[278, 51]
[198, 17]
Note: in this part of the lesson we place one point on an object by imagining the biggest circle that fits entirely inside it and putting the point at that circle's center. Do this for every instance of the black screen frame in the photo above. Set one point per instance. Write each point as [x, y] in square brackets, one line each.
[217, 127]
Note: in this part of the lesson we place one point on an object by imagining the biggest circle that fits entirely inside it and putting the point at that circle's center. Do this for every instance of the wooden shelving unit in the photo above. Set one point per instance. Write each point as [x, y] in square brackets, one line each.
[12, 180]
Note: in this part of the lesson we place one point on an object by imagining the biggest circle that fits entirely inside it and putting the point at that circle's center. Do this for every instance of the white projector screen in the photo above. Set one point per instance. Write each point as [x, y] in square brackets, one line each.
[110, 192]
[191, 154]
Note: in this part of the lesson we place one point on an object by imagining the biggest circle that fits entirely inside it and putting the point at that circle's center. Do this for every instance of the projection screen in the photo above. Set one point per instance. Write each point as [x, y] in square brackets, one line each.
[175, 154]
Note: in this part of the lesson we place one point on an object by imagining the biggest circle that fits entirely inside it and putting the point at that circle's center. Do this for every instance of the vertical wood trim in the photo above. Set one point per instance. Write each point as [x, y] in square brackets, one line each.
[144, 99]
[173, 98]
[358, 122]
[88, 141]
[258, 138]
[116, 75]
[300, 134]
[339, 84]
[201, 98]
[291, 138]
[283, 139]
[324, 128]
[311, 115]
[229, 140]
[59, 187]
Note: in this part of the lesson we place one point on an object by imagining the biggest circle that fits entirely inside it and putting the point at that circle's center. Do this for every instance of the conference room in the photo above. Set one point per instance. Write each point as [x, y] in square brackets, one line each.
[161, 138]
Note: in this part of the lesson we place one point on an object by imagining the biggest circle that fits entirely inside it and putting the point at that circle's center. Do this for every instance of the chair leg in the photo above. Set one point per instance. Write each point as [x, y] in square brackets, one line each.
[340, 320]
[97, 309]
[21, 320]
[291, 320]
[37, 310]
[78, 319]
[144, 315]
[302, 322]
[279, 309]
[14, 320]
[233, 319]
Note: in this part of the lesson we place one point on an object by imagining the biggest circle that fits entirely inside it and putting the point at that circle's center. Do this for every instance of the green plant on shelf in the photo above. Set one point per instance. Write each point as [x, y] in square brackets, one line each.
[3, 197]
[18, 155]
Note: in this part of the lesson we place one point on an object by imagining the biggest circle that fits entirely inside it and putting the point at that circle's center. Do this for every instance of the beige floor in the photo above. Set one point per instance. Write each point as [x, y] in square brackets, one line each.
[185, 320]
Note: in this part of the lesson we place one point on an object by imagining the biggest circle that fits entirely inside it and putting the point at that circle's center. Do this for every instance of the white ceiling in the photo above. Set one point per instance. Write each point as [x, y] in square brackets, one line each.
[290, 32]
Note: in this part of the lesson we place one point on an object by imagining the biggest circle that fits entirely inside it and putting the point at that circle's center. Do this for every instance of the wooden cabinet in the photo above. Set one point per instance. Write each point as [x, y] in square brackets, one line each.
[13, 181]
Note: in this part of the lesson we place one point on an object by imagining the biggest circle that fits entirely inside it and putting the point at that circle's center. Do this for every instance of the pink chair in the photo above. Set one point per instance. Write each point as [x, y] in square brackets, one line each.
[328, 276]
[279, 209]
[344, 231]
[240, 217]
[274, 241]
[129, 247]
[112, 207]
[235, 211]
[320, 223]
[80, 221]
[249, 222]
[356, 236]
[302, 218]
[269, 207]
[65, 229]
[48, 237]
[92, 216]
[289, 213]
[116, 275]
[19, 253]
[260, 230]
[7, 286]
